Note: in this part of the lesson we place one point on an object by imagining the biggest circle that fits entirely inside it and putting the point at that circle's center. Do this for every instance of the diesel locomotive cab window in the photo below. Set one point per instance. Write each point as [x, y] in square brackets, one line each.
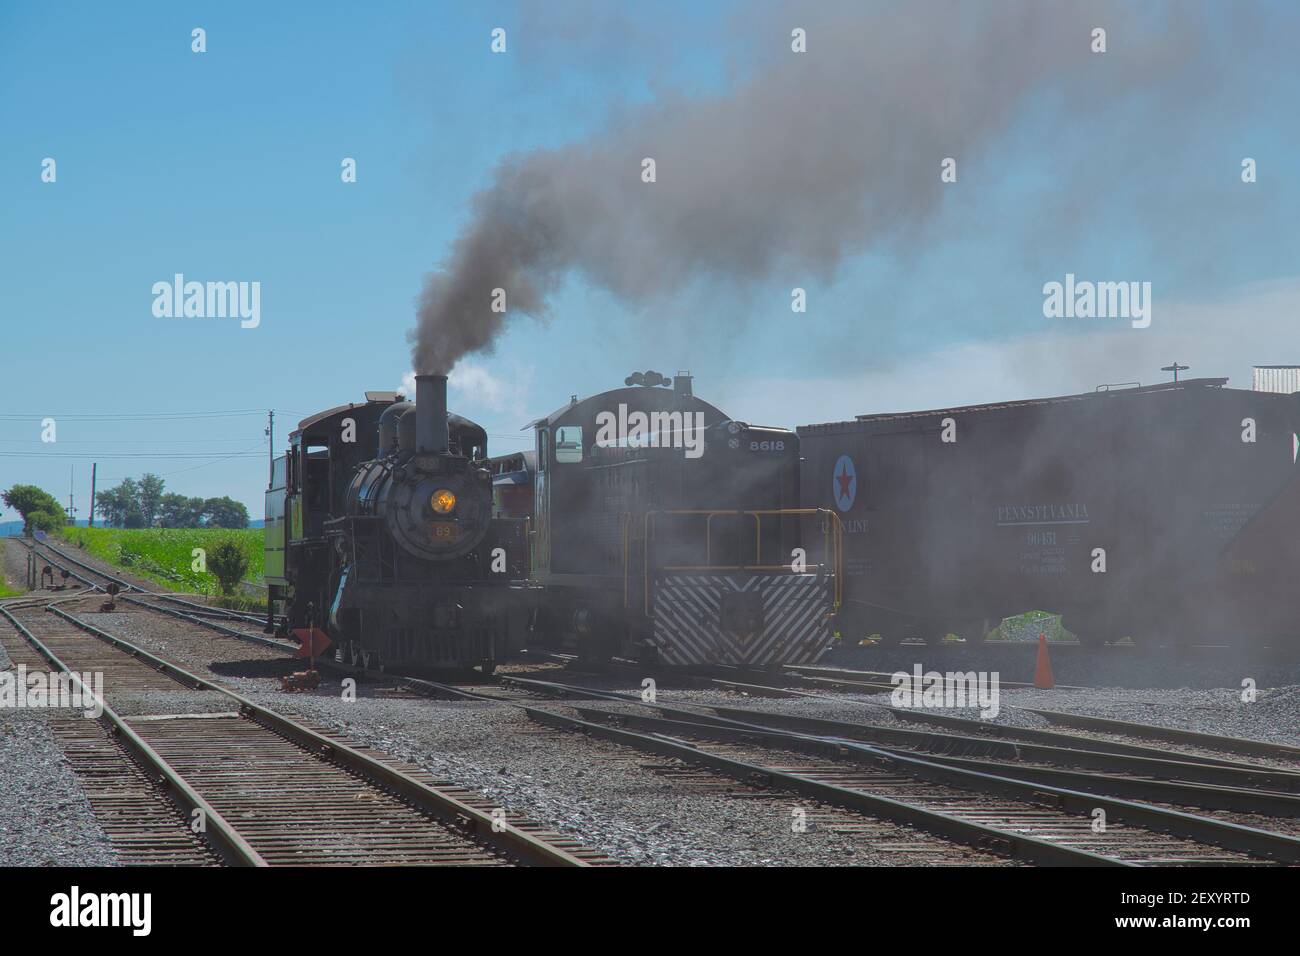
[568, 445]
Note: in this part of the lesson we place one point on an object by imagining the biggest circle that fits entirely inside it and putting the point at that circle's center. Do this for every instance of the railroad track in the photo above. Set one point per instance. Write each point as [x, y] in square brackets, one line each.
[1116, 737]
[1112, 772]
[201, 614]
[97, 578]
[270, 790]
[872, 681]
[983, 803]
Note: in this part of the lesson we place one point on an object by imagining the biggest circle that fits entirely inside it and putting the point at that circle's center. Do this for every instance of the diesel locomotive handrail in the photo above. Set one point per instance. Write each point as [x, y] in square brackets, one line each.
[708, 533]
[832, 545]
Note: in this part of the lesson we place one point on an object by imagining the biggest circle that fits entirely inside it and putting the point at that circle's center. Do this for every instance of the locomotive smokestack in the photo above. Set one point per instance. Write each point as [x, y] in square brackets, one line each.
[431, 414]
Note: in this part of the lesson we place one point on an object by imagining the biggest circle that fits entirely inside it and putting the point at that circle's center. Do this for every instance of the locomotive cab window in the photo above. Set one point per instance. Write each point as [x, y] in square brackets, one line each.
[316, 474]
[568, 445]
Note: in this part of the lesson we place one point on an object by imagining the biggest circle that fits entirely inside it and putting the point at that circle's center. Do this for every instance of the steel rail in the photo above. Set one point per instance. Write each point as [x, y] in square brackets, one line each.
[33, 545]
[128, 586]
[1006, 731]
[175, 612]
[441, 806]
[213, 625]
[856, 678]
[224, 838]
[949, 827]
[1231, 836]
[938, 743]
[1235, 799]
[940, 824]
[1241, 745]
[1221, 833]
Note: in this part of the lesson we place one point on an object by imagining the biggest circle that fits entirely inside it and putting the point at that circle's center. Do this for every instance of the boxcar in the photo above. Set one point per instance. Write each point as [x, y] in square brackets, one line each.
[1165, 513]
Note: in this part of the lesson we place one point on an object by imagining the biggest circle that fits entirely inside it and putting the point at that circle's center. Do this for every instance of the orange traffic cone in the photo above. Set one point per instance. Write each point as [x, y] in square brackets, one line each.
[1043, 669]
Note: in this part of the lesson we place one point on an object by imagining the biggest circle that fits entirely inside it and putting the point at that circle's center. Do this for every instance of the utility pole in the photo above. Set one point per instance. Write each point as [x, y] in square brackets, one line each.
[270, 447]
[72, 511]
[93, 469]
[1175, 368]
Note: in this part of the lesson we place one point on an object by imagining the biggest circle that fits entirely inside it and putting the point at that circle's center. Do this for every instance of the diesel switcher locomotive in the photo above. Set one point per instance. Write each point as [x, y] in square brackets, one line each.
[663, 530]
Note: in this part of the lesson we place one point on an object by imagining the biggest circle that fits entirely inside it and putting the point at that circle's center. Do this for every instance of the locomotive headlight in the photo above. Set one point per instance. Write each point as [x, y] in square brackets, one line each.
[442, 501]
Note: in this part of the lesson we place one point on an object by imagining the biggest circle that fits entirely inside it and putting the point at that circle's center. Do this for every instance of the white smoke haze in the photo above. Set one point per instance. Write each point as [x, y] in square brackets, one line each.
[474, 388]
[1065, 358]
[811, 158]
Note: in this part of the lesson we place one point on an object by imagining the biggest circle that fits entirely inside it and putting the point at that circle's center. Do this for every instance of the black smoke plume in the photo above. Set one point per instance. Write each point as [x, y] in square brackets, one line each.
[813, 156]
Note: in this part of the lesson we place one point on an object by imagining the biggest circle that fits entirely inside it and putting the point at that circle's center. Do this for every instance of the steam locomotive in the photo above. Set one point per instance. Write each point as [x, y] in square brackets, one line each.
[379, 532]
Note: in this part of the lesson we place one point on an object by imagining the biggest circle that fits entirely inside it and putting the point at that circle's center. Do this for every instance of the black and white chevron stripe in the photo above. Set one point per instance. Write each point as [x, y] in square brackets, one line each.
[687, 619]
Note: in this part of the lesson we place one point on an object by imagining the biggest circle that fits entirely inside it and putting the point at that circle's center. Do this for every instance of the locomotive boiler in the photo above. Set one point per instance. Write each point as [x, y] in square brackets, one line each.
[380, 531]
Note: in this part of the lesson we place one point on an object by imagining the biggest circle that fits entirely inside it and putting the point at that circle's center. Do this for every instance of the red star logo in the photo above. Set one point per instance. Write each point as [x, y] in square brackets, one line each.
[845, 480]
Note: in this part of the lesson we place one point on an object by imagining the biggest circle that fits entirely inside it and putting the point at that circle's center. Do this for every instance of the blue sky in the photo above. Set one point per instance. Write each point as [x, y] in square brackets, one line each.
[225, 166]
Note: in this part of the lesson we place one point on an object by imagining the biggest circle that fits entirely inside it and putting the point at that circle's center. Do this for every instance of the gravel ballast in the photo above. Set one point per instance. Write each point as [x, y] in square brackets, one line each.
[611, 798]
[45, 818]
[638, 808]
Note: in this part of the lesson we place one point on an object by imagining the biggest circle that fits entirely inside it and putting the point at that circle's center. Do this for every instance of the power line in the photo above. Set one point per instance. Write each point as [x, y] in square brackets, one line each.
[122, 454]
[133, 416]
[121, 441]
[246, 453]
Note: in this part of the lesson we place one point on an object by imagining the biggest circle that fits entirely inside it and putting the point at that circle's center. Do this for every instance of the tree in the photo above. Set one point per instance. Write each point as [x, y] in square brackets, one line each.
[47, 520]
[141, 504]
[148, 491]
[177, 511]
[29, 500]
[120, 506]
[225, 512]
[226, 559]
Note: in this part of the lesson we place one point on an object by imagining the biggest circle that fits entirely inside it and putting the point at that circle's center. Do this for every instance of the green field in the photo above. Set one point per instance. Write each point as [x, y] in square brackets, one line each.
[166, 555]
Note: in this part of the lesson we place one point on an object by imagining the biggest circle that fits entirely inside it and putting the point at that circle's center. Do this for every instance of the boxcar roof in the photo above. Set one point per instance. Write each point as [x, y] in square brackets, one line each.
[1028, 402]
